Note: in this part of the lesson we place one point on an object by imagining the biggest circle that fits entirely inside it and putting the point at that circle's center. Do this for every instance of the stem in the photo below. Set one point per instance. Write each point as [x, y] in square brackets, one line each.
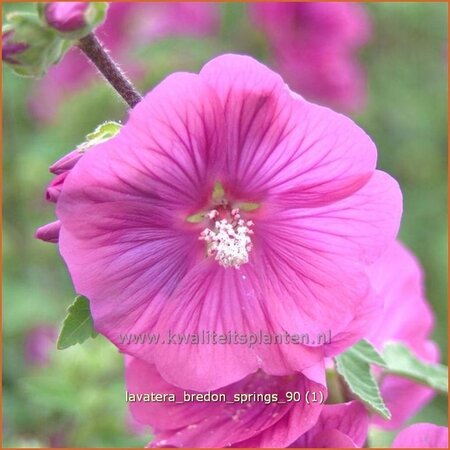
[95, 51]
[335, 391]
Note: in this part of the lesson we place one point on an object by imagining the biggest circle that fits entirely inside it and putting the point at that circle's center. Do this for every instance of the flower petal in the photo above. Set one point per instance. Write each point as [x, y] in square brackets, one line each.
[398, 275]
[49, 232]
[341, 425]
[227, 302]
[124, 236]
[406, 317]
[311, 261]
[281, 146]
[422, 435]
[175, 137]
[222, 424]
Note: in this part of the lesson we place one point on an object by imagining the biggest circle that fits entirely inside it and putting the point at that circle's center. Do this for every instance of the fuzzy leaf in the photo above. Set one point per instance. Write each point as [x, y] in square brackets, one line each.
[400, 361]
[354, 366]
[78, 325]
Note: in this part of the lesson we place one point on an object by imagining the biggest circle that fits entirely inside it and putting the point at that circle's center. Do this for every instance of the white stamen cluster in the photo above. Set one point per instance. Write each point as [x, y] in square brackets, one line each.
[229, 242]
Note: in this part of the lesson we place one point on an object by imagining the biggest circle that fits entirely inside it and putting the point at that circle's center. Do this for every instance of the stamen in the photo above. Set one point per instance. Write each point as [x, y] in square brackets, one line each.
[230, 241]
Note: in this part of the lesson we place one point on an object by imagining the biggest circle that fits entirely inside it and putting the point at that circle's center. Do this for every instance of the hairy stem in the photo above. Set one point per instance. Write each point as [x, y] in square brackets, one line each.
[95, 51]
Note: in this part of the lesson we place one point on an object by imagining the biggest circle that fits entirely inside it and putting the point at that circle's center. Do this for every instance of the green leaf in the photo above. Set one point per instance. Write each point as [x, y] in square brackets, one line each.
[400, 361]
[102, 133]
[78, 325]
[366, 352]
[354, 366]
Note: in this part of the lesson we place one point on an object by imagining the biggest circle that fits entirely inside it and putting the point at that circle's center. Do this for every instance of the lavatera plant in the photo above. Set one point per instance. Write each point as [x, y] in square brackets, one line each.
[228, 203]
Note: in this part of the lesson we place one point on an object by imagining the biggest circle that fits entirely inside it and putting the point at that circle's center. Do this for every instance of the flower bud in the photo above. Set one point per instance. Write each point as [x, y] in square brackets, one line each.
[28, 47]
[49, 232]
[73, 20]
[10, 48]
[66, 163]
[55, 186]
[67, 16]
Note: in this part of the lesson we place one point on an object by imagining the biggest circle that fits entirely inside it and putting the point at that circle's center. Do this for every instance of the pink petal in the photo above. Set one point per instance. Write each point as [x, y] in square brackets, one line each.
[280, 146]
[219, 424]
[341, 426]
[224, 301]
[406, 317]
[66, 163]
[422, 435]
[124, 204]
[332, 439]
[55, 186]
[175, 138]
[398, 275]
[404, 399]
[311, 260]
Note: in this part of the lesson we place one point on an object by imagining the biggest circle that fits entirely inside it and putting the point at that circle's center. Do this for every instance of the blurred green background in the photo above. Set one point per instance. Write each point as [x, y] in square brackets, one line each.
[77, 398]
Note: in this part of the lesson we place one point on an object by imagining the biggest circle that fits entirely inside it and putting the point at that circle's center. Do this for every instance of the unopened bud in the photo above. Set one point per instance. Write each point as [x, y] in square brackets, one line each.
[66, 163]
[49, 232]
[73, 20]
[28, 46]
[55, 187]
[10, 48]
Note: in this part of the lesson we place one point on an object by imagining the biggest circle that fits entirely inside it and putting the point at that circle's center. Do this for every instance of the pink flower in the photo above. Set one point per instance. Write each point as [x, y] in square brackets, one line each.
[339, 426]
[407, 317]
[152, 239]
[422, 435]
[232, 420]
[314, 46]
[126, 26]
[66, 16]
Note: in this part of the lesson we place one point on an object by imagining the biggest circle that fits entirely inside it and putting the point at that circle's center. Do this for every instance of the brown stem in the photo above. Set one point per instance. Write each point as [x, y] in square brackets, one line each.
[95, 51]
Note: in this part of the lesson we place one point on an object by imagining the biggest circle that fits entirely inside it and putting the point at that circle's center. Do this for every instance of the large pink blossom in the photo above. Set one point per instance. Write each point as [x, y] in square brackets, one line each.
[237, 421]
[153, 249]
[422, 435]
[127, 25]
[315, 46]
[407, 317]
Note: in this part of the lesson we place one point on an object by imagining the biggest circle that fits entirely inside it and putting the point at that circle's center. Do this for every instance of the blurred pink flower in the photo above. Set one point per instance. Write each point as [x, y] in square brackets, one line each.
[315, 46]
[407, 317]
[155, 251]
[38, 344]
[422, 435]
[254, 423]
[127, 25]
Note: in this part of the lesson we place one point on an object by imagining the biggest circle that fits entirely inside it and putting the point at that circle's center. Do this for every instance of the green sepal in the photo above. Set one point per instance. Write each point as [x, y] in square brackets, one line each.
[45, 47]
[102, 133]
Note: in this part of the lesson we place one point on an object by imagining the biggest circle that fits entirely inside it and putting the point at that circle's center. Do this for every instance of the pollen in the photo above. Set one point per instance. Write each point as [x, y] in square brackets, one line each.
[229, 239]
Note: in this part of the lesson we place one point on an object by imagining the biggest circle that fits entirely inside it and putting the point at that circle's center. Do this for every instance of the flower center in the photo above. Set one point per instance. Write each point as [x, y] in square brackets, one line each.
[229, 239]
